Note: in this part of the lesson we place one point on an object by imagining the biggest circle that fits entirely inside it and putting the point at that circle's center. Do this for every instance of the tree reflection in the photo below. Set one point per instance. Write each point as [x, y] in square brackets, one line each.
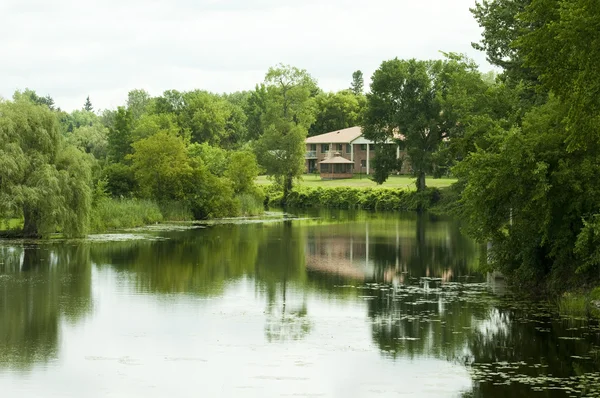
[40, 285]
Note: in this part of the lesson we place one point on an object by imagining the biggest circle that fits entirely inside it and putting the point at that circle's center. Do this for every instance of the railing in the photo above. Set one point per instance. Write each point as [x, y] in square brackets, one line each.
[310, 154]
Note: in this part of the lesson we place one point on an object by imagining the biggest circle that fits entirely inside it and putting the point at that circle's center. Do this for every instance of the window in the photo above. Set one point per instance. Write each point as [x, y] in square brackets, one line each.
[363, 147]
[313, 147]
[348, 148]
[372, 148]
[339, 147]
[324, 148]
[363, 163]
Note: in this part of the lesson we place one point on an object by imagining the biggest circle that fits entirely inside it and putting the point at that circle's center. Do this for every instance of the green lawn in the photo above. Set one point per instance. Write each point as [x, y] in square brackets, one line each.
[406, 182]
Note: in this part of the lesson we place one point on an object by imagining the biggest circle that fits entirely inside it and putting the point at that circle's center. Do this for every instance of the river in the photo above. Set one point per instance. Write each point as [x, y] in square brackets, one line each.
[330, 303]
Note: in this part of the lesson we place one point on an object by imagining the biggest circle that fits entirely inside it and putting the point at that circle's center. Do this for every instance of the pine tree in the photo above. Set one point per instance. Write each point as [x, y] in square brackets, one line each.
[88, 105]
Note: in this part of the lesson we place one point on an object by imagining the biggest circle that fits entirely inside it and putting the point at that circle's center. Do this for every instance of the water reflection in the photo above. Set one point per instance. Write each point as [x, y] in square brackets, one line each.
[39, 287]
[404, 287]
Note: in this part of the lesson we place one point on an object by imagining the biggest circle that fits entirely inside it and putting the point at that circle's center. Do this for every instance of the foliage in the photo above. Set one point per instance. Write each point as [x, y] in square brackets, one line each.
[563, 51]
[527, 195]
[78, 118]
[530, 186]
[87, 106]
[336, 111]
[421, 104]
[211, 196]
[150, 124]
[255, 108]
[289, 114]
[90, 139]
[213, 157]
[31, 96]
[41, 178]
[242, 170]
[212, 119]
[384, 161]
[161, 167]
[137, 103]
[356, 198]
[357, 85]
[120, 181]
[119, 135]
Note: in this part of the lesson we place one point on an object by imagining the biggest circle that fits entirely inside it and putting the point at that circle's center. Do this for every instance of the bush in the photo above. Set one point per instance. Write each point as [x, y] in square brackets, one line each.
[356, 198]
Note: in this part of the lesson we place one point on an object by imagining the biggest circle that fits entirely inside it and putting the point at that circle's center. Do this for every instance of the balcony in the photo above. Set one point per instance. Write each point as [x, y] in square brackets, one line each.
[310, 155]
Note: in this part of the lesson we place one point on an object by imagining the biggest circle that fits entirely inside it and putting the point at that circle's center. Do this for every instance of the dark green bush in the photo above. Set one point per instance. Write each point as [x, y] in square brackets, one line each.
[355, 198]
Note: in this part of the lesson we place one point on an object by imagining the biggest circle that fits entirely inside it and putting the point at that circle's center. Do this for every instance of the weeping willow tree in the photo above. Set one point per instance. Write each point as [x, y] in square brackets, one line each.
[42, 179]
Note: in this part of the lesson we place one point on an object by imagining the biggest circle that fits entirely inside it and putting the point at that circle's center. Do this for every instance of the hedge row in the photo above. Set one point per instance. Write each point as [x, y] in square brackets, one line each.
[355, 198]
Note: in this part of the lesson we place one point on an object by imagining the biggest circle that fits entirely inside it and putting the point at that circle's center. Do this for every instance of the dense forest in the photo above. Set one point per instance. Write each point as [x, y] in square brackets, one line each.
[524, 143]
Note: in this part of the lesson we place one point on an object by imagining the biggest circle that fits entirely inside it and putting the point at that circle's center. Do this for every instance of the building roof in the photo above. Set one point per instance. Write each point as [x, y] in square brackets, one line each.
[343, 136]
[336, 159]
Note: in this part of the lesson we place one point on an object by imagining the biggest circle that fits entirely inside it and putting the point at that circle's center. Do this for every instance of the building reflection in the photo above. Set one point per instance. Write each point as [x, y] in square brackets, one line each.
[391, 252]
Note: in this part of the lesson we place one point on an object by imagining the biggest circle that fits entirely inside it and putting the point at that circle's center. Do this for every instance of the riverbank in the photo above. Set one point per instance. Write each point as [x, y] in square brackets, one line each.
[111, 214]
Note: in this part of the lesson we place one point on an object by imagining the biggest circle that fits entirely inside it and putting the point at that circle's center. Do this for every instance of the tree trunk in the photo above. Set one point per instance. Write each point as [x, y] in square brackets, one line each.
[287, 187]
[421, 181]
[30, 225]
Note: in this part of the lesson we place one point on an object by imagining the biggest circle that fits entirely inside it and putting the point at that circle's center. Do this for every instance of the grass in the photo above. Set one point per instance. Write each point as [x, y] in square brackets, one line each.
[404, 182]
[251, 205]
[123, 213]
[580, 304]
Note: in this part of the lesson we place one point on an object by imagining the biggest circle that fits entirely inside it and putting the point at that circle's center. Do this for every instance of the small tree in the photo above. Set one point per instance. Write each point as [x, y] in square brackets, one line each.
[88, 105]
[358, 83]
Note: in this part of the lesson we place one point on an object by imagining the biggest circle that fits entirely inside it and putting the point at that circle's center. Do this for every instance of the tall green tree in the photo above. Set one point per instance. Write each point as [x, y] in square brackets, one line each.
[42, 179]
[289, 114]
[358, 83]
[412, 102]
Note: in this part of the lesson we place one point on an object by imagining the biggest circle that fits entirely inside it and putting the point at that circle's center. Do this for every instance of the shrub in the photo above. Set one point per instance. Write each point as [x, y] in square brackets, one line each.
[355, 198]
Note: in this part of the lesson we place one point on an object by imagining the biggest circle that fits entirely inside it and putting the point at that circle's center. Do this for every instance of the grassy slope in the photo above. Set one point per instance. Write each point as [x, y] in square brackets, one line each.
[406, 182]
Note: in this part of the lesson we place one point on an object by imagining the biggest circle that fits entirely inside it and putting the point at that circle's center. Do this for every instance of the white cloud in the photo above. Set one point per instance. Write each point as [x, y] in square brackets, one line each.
[71, 49]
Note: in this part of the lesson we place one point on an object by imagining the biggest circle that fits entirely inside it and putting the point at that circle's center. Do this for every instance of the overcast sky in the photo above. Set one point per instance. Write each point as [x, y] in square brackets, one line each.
[103, 48]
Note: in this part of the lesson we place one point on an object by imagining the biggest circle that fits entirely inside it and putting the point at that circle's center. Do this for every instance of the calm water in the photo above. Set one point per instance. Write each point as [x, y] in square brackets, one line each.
[345, 305]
